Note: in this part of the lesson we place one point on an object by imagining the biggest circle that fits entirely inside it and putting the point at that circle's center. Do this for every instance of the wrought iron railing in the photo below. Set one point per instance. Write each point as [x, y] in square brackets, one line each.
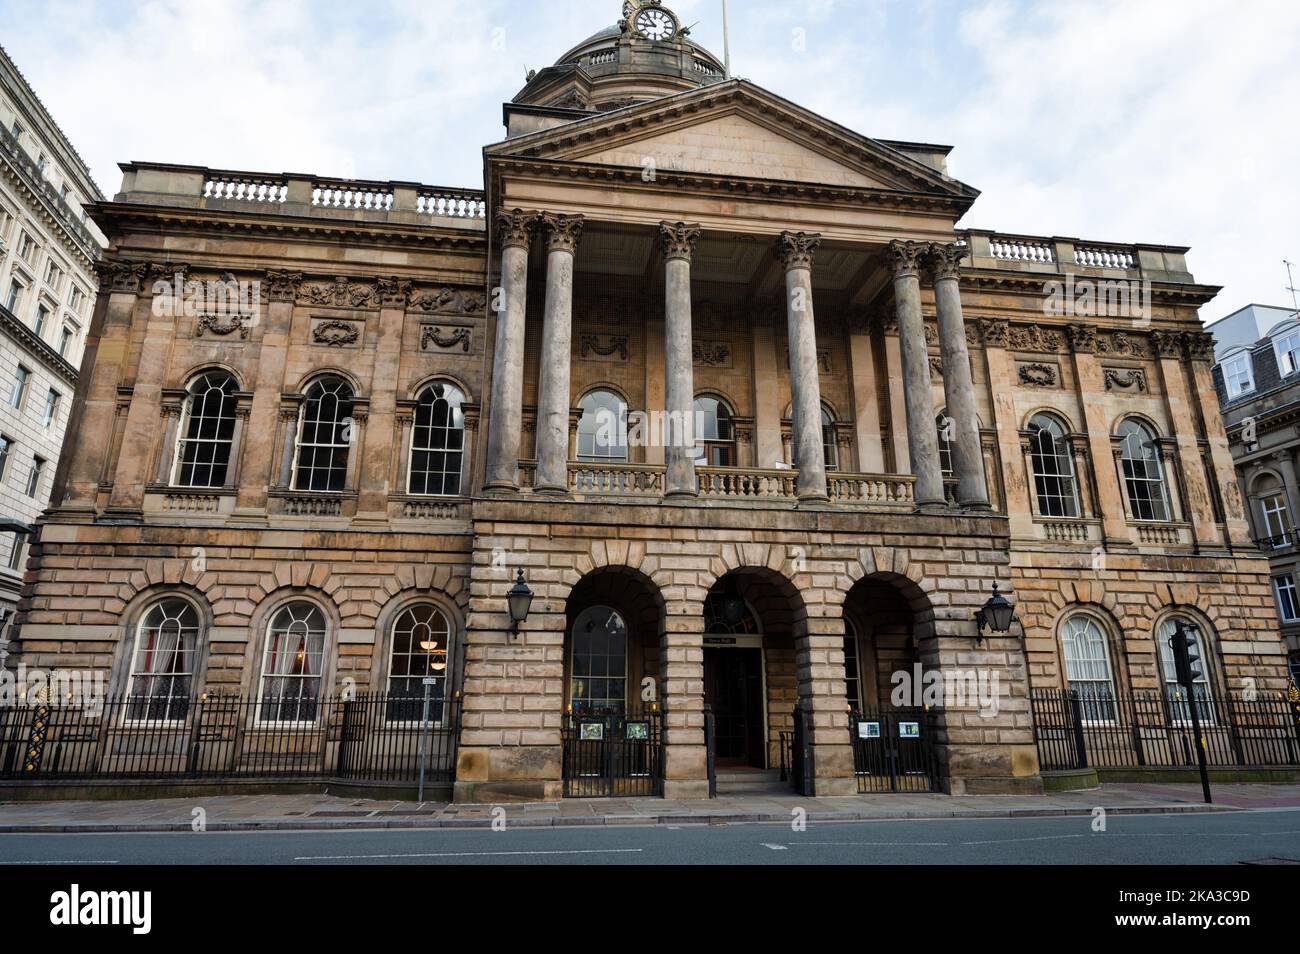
[368, 736]
[1130, 730]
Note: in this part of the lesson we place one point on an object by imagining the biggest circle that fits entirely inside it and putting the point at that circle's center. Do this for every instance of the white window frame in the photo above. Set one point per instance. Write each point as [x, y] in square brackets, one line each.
[454, 397]
[1169, 672]
[1284, 592]
[190, 652]
[18, 390]
[187, 417]
[416, 651]
[1234, 369]
[1081, 632]
[337, 384]
[1277, 517]
[34, 476]
[52, 401]
[1287, 350]
[311, 610]
[1062, 459]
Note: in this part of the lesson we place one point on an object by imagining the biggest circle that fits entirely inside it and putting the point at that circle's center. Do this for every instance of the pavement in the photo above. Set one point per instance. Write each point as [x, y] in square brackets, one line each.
[234, 813]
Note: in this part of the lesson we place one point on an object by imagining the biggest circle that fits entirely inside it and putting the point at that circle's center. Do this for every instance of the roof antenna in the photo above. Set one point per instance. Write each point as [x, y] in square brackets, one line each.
[726, 44]
[1290, 284]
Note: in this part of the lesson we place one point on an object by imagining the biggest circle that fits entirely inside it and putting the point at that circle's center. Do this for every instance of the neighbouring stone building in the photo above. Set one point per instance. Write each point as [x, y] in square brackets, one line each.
[1257, 360]
[336, 483]
[48, 251]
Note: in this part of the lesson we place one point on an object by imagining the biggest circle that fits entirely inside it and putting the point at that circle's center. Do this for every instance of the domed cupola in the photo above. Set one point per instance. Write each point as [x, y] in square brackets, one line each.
[646, 55]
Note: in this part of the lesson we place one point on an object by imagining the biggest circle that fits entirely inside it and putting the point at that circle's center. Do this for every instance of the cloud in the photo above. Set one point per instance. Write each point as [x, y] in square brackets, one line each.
[1160, 121]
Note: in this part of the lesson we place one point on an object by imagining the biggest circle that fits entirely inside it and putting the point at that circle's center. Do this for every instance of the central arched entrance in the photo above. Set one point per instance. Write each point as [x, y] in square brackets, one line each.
[751, 682]
[612, 731]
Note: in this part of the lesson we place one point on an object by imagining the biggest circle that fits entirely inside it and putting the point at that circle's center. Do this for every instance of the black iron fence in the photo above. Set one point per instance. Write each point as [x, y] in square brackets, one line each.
[893, 750]
[617, 753]
[369, 737]
[1155, 729]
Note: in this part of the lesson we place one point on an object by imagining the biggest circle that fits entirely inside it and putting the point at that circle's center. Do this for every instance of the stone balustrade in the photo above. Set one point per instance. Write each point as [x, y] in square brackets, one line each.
[302, 195]
[1054, 254]
[875, 489]
[616, 479]
[1013, 249]
[745, 482]
[1103, 256]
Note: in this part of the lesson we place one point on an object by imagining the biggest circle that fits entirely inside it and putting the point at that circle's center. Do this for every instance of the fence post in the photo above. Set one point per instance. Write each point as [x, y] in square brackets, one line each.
[1076, 718]
[709, 751]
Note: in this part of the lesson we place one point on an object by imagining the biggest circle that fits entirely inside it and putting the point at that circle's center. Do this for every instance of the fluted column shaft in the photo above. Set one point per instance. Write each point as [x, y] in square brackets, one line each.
[562, 234]
[506, 422]
[958, 389]
[677, 241]
[795, 249]
[922, 439]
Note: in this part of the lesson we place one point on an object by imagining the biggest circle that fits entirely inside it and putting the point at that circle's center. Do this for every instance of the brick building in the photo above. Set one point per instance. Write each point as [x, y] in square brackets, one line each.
[758, 422]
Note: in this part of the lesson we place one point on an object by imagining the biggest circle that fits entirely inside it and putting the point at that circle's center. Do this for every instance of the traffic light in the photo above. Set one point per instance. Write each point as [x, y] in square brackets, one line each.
[1187, 657]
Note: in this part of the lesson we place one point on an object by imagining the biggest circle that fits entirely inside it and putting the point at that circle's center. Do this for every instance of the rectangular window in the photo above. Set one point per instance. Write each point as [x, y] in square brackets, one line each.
[16, 130]
[1238, 377]
[52, 406]
[42, 316]
[34, 476]
[852, 682]
[18, 551]
[1287, 605]
[41, 162]
[1288, 353]
[5, 445]
[65, 340]
[18, 391]
[25, 247]
[74, 299]
[15, 297]
[1277, 522]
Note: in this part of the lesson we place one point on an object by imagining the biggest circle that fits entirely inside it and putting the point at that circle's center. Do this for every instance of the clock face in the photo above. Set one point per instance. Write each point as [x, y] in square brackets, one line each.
[655, 24]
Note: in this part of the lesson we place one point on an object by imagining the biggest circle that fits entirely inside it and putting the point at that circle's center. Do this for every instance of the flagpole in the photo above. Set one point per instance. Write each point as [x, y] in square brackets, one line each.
[726, 44]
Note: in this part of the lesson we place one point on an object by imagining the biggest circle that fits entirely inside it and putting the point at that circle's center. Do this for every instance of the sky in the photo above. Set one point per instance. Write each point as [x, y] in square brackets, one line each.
[1155, 121]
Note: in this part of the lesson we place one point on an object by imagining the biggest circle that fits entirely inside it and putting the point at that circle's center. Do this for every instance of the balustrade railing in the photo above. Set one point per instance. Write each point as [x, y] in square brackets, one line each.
[895, 489]
[1007, 248]
[451, 203]
[358, 196]
[743, 482]
[616, 478]
[1104, 256]
[245, 187]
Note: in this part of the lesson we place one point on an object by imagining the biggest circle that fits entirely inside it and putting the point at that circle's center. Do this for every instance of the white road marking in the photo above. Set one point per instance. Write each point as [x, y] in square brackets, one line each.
[473, 854]
[59, 862]
[768, 844]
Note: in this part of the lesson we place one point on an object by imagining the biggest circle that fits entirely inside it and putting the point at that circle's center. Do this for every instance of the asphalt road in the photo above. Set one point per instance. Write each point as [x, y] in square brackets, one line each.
[1224, 838]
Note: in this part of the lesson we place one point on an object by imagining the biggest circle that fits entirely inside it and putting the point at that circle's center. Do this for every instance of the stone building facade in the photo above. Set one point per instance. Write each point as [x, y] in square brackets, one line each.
[846, 418]
[1257, 358]
[48, 250]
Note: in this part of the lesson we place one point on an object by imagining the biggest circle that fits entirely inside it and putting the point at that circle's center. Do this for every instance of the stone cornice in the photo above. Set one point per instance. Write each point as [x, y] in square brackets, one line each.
[176, 220]
[1165, 293]
[677, 182]
[13, 326]
[39, 204]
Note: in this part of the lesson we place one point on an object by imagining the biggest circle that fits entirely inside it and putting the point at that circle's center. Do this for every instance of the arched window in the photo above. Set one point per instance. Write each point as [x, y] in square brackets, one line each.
[1274, 514]
[1054, 483]
[206, 432]
[715, 433]
[602, 429]
[1175, 694]
[1144, 481]
[944, 426]
[162, 662]
[421, 639]
[293, 663]
[437, 441]
[324, 436]
[598, 665]
[1087, 667]
[830, 447]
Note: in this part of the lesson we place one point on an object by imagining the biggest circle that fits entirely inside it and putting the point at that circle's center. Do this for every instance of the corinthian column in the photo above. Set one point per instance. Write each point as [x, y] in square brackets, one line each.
[795, 249]
[677, 241]
[958, 391]
[922, 439]
[506, 422]
[562, 233]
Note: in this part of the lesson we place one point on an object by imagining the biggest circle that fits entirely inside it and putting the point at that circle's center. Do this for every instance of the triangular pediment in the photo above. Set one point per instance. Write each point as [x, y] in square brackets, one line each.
[734, 130]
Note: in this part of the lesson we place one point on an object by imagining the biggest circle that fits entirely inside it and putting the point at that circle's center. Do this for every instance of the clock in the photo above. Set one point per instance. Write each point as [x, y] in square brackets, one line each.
[655, 23]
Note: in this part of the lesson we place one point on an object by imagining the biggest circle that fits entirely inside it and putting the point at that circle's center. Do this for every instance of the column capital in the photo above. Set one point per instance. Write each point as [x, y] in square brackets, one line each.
[283, 286]
[122, 276]
[562, 231]
[945, 259]
[1168, 344]
[795, 249]
[906, 257]
[1199, 345]
[677, 239]
[515, 227]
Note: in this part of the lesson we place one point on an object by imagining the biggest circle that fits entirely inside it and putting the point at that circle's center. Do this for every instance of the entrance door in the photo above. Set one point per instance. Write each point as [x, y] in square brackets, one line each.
[733, 688]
